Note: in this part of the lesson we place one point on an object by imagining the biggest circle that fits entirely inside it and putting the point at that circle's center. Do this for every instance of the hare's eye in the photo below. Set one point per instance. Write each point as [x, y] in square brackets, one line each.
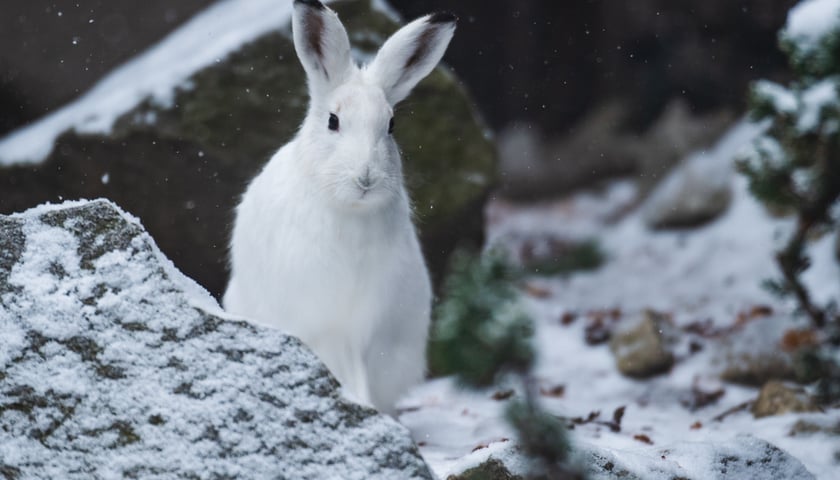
[333, 125]
[391, 126]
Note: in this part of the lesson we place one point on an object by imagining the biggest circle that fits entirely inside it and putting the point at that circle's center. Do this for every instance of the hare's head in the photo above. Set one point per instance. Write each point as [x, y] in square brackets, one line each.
[347, 134]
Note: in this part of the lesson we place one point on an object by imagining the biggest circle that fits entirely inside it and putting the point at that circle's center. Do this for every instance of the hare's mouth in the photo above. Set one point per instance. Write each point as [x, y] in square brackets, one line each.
[369, 194]
[366, 198]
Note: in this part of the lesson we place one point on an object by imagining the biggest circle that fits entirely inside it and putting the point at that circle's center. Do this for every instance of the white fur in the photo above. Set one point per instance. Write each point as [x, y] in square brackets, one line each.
[315, 254]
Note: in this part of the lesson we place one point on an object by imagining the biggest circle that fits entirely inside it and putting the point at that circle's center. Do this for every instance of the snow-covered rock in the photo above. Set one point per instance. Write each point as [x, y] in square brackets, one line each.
[740, 458]
[700, 189]
[115, 365]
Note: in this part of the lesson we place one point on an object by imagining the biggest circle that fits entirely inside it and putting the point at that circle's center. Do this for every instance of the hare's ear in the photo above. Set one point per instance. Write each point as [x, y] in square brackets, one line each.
[411, 54]
[321, 44]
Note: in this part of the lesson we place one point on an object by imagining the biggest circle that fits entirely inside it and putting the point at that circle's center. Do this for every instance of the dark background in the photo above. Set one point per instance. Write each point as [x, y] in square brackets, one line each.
[541, 61]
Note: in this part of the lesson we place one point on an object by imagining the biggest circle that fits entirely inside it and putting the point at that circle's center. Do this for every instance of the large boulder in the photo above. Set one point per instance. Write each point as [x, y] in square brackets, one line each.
[182, 165]
[115, 365]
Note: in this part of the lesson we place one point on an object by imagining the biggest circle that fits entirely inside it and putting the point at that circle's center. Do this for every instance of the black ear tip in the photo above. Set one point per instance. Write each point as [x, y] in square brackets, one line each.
[443, 17]
[311, 3]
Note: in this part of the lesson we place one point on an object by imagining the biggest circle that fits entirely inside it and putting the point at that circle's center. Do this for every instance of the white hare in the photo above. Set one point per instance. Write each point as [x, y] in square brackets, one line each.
[323, 245]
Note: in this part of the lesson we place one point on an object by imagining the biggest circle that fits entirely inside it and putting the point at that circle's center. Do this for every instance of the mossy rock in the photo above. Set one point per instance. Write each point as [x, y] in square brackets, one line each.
[492, 469]
[182, 168]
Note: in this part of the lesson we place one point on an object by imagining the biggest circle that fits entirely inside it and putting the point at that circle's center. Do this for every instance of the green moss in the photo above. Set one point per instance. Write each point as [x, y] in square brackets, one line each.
[492, 469]
[449, 163]
[208, 325]
[9, 472]
[185, 388]
[135, 327]
[55, 407]
[156, 420]
[111, 372]
[243, 109]
[567, 258]
[12, 243]
[125, 433]
[84, 347]
[98, 226]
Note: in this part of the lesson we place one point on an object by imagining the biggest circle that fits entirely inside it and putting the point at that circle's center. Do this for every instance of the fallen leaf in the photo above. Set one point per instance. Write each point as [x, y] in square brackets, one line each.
[696, 426]
[536, 291]
[756, 312]
[643, 438]
[482, 446]
[618, 414]
[503, 395]
[581, 421]
[568, 318]
[794, 340]
[600, 324]
[556, 392]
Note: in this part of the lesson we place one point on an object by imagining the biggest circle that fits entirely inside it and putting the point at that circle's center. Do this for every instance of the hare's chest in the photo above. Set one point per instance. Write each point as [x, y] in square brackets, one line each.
[344, 261]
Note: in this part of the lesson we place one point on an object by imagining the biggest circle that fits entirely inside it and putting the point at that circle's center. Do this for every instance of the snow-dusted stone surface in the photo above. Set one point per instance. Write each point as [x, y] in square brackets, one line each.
[744, 457]
[700, 189]
[115, 365]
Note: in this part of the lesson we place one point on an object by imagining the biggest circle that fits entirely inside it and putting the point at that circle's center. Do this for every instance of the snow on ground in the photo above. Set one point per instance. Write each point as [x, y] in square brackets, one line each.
[207, 38]
[710, 273]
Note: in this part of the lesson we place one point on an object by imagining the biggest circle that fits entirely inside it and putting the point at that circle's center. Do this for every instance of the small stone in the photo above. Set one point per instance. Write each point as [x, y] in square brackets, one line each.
[776, 399]
[754, 355]
[804, 427]
[642, 350]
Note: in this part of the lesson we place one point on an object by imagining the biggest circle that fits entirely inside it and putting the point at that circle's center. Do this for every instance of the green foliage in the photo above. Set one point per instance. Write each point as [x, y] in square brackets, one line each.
[573, 257]
[794, 167]
[821, 367]
[818, 58]
[540, 434]
[481, 332]
[492, 469]
[480, 329]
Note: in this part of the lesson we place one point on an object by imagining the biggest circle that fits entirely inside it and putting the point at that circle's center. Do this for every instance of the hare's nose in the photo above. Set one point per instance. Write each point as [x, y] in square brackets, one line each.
[365, 182]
